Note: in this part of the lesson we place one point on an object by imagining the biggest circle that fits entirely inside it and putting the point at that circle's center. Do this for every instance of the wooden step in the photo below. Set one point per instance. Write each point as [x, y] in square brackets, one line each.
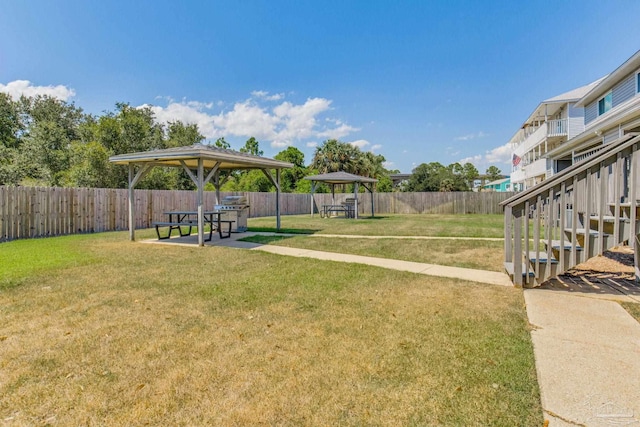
[606, 218]
[584, 231]
[509, 267]
[543, 264]
[555, 244]
[542, 258]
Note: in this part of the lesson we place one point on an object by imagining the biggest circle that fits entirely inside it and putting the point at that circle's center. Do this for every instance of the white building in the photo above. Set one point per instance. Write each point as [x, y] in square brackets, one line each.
[553, 122]
[611, 114]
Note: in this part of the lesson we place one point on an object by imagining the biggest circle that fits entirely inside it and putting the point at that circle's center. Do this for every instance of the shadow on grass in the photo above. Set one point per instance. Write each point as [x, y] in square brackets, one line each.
[284, 230]
[264, 240]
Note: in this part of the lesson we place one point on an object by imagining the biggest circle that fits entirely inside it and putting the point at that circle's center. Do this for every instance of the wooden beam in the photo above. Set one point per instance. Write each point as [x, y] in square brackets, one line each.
[200, 185]
[132, 205]
[191, 175]
[313, 188]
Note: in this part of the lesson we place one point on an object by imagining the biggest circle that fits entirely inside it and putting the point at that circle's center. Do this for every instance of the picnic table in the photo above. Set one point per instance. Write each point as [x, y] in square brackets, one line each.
[347, 208]
[183, 219]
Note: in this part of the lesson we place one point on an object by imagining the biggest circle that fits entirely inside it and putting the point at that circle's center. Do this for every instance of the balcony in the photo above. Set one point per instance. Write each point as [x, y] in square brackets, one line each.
[529, 139]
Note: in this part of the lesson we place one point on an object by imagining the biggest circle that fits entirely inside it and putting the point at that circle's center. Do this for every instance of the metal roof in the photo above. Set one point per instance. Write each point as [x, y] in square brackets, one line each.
[228, 159]
[339, 178]
[552, 105]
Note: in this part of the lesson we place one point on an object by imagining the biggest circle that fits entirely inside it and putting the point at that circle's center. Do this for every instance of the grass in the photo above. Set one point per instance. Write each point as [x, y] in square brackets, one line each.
[111, 332]
[633, 309]
[390, 225]
[477, 254]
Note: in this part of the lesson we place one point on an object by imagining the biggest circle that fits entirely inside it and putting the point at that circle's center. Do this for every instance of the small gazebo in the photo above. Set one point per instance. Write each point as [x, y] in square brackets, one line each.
[342, 178]
[203, 164]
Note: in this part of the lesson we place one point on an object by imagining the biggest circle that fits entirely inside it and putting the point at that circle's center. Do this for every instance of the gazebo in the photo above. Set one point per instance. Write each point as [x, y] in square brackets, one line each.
[203, 164]
[334, 178]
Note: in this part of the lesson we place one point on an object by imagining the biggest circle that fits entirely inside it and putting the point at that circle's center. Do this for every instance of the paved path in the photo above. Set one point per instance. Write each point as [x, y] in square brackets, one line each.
[587, 349]
[587, 353]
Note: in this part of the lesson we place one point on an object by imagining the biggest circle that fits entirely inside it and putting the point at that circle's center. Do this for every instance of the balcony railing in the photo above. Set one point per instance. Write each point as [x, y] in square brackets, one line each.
[528, 138]
[557, 127]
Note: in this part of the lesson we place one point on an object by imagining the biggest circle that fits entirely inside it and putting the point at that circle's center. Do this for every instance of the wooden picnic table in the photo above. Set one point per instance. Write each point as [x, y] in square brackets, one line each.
[180, 219]
[346, 208]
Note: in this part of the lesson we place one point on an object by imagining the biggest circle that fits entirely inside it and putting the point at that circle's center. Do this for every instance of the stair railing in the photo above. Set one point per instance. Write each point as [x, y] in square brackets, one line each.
[568, 212]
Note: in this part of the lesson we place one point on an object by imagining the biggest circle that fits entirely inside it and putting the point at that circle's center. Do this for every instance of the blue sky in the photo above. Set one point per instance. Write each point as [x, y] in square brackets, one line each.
[415, 81]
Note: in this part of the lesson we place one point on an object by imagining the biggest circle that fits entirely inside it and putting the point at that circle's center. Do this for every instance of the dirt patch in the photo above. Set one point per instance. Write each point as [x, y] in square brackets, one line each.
[616, 260]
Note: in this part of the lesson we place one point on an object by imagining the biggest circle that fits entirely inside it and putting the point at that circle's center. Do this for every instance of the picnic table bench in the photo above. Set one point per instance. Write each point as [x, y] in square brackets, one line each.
[348, 208]
[185, 219]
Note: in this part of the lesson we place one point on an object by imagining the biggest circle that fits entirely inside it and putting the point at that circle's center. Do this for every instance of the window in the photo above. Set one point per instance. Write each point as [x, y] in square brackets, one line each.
[638, 83]
[604, 104]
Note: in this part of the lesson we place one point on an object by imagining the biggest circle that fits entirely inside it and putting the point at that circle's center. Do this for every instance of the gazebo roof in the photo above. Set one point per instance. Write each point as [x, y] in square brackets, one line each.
[340, 178]
[228, 159]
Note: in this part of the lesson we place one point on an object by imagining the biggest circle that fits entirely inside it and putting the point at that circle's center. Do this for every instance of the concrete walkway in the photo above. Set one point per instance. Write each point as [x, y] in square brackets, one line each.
[587, 349]
[587, 353]
[472, 275]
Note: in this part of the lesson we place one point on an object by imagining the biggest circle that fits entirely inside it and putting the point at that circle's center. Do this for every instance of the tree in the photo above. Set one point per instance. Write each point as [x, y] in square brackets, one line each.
[493, 173]
[181, 135]
[291, 177]
[437, 177]
[51, 126]
[252, 146]
[336, 156]
[11, 126]
[221, 143]
[470, 173]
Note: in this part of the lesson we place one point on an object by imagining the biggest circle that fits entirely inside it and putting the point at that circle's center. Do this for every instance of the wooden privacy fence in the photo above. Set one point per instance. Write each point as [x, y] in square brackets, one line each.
[42, 211]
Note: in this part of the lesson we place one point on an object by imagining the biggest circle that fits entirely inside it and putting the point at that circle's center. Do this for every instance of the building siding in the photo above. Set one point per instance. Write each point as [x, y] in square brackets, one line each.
[621, 92]
[624, 90]
[611, 135]
[576, 120]
[591, 112]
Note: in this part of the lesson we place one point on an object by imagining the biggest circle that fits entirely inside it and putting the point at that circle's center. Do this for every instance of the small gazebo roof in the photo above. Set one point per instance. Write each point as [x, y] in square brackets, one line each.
[228, 159]
[340, 178]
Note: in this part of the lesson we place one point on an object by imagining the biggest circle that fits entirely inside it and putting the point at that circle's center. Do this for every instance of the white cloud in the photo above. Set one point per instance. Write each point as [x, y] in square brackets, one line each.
[280, 125]
[497, 156]
[312, 144]
[262, 94]
[188, 114]
[471, 136]
[17, 88]
[247, 119]
[388, 165]
[376, 147]
[339, 132]
[473, 160]
[360, 143]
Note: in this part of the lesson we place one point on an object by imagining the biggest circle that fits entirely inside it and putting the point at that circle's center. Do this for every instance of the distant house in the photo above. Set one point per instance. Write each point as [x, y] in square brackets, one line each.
[500, 186]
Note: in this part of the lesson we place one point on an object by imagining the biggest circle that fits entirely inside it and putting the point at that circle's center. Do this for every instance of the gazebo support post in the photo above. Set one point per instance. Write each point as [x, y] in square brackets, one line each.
[355, 196]
[275, 181]
[132, 206]
[333, 194]
[200, 185]
[278, 199]
[370, 192]
[133, 180]
[313, 187]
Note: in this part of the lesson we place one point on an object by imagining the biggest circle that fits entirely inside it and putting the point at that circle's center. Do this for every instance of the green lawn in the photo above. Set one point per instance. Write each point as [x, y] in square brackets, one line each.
[99, 330]
[477, 254]
[632, 308]
[389, 225]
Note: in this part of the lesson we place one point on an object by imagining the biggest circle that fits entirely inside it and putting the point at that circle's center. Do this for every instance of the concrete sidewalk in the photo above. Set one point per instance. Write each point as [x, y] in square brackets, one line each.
[481, 276]
[587, 353]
